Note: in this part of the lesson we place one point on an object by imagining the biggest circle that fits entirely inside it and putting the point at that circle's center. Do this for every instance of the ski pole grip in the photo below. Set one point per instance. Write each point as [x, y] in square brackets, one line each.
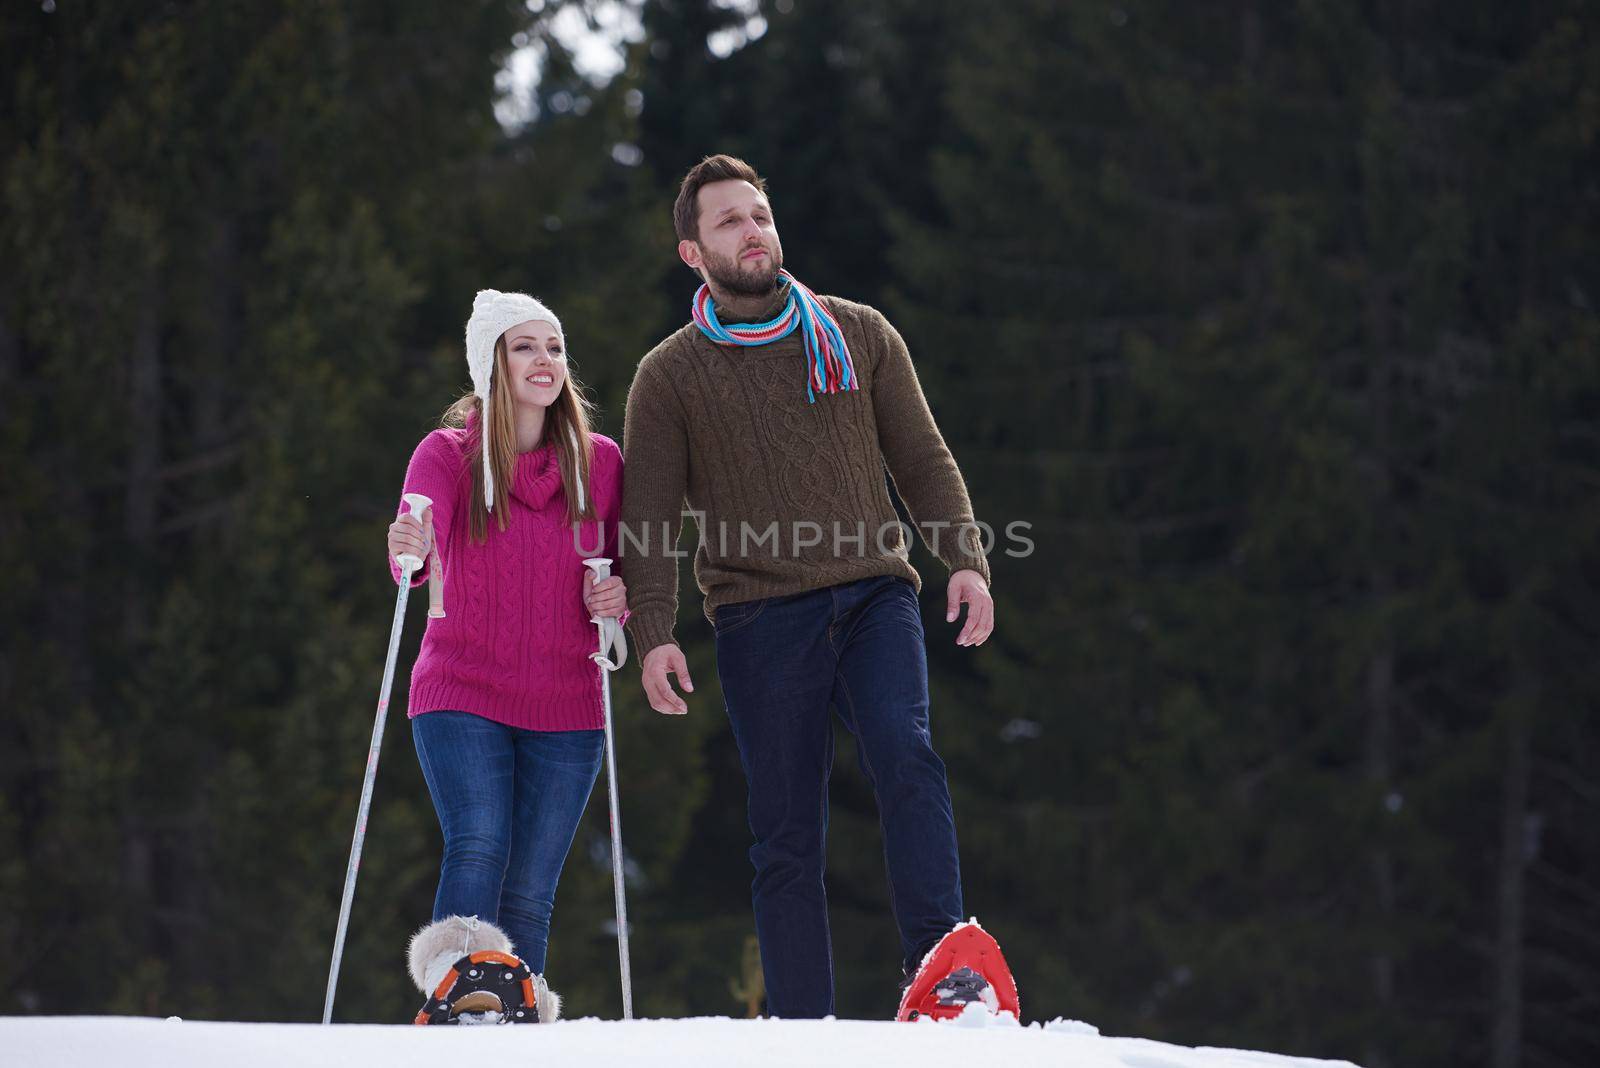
[600, 566]
[419, 503]
[613, 646]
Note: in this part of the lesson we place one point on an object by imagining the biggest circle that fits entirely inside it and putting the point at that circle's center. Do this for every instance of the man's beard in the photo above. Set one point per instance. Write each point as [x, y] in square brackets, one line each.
[729, 277]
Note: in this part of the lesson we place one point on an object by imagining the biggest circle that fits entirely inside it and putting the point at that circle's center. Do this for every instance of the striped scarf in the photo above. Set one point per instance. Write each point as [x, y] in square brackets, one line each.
[827, 356]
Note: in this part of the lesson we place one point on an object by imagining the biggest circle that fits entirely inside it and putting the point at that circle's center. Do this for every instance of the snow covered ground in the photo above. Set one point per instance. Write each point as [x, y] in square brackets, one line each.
[707, 1042]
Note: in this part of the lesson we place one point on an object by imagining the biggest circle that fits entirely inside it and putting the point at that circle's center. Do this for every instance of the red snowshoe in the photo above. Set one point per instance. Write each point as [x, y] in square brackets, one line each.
[965, 967]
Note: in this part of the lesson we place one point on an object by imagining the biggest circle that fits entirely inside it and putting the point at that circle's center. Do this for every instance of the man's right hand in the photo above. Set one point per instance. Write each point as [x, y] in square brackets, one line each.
[660, 662]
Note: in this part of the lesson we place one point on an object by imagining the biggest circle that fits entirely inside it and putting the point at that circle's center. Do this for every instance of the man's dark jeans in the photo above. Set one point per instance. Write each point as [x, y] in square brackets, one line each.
[782, 662]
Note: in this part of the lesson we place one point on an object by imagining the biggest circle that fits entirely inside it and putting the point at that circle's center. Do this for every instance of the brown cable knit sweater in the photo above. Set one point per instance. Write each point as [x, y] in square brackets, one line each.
[789, 496]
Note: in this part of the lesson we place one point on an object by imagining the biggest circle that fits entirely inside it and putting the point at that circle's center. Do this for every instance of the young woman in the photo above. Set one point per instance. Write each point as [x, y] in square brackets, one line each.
[505, 704]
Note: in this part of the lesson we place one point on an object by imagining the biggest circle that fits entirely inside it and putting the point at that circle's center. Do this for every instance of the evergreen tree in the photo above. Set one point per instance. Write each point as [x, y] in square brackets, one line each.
[1240, 261]
[245, 239]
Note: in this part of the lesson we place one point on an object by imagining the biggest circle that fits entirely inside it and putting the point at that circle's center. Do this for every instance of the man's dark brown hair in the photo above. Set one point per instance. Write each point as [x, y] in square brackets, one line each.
[686, 209]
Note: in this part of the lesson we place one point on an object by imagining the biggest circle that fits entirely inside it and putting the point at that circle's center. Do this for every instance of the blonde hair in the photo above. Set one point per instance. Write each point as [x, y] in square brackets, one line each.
[566, 425]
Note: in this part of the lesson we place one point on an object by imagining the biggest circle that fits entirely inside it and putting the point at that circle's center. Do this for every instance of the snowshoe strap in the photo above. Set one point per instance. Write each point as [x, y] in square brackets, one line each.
[503, 976]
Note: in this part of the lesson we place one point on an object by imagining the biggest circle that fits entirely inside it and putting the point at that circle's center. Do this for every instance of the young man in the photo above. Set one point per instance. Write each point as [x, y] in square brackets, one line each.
[774, 413]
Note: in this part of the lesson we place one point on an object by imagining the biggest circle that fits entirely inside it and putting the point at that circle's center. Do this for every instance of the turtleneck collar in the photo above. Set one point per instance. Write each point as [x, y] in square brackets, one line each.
[538, 477]
[536, 481]
[767, 312]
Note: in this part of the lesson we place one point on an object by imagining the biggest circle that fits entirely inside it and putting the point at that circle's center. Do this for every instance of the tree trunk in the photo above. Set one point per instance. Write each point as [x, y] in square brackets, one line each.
[1505, 1048]
[140, 512]
[1380, 863]
[144, 453]
[1380, 681]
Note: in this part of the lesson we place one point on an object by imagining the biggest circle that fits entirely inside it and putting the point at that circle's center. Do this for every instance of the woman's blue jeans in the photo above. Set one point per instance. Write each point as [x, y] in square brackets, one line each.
[782, 662]
[509, 801]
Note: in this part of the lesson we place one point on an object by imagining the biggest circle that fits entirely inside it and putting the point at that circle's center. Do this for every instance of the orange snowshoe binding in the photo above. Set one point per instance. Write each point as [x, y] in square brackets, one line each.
[496, 987]
[469, 971]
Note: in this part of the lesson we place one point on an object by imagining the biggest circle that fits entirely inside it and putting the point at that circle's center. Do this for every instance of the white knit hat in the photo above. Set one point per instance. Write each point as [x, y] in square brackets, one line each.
[493, 313]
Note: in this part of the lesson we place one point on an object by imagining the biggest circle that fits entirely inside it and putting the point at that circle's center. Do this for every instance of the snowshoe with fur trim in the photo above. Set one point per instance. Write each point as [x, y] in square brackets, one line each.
[470, 974]
[965, 967]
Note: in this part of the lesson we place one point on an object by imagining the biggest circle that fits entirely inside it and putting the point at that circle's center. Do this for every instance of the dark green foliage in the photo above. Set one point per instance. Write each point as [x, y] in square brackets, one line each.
[1281, 374]
[1276, 322]
[242, 249]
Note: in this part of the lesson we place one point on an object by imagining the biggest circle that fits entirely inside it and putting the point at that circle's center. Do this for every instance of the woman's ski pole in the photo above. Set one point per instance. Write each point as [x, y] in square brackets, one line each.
[408, 565]
[611, 639]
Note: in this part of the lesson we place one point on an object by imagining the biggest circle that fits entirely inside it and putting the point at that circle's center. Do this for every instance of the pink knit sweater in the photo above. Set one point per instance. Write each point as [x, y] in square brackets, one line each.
[515, 641]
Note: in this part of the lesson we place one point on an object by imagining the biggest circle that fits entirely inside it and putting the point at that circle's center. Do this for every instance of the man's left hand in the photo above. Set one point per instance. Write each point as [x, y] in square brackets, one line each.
[967, 587]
